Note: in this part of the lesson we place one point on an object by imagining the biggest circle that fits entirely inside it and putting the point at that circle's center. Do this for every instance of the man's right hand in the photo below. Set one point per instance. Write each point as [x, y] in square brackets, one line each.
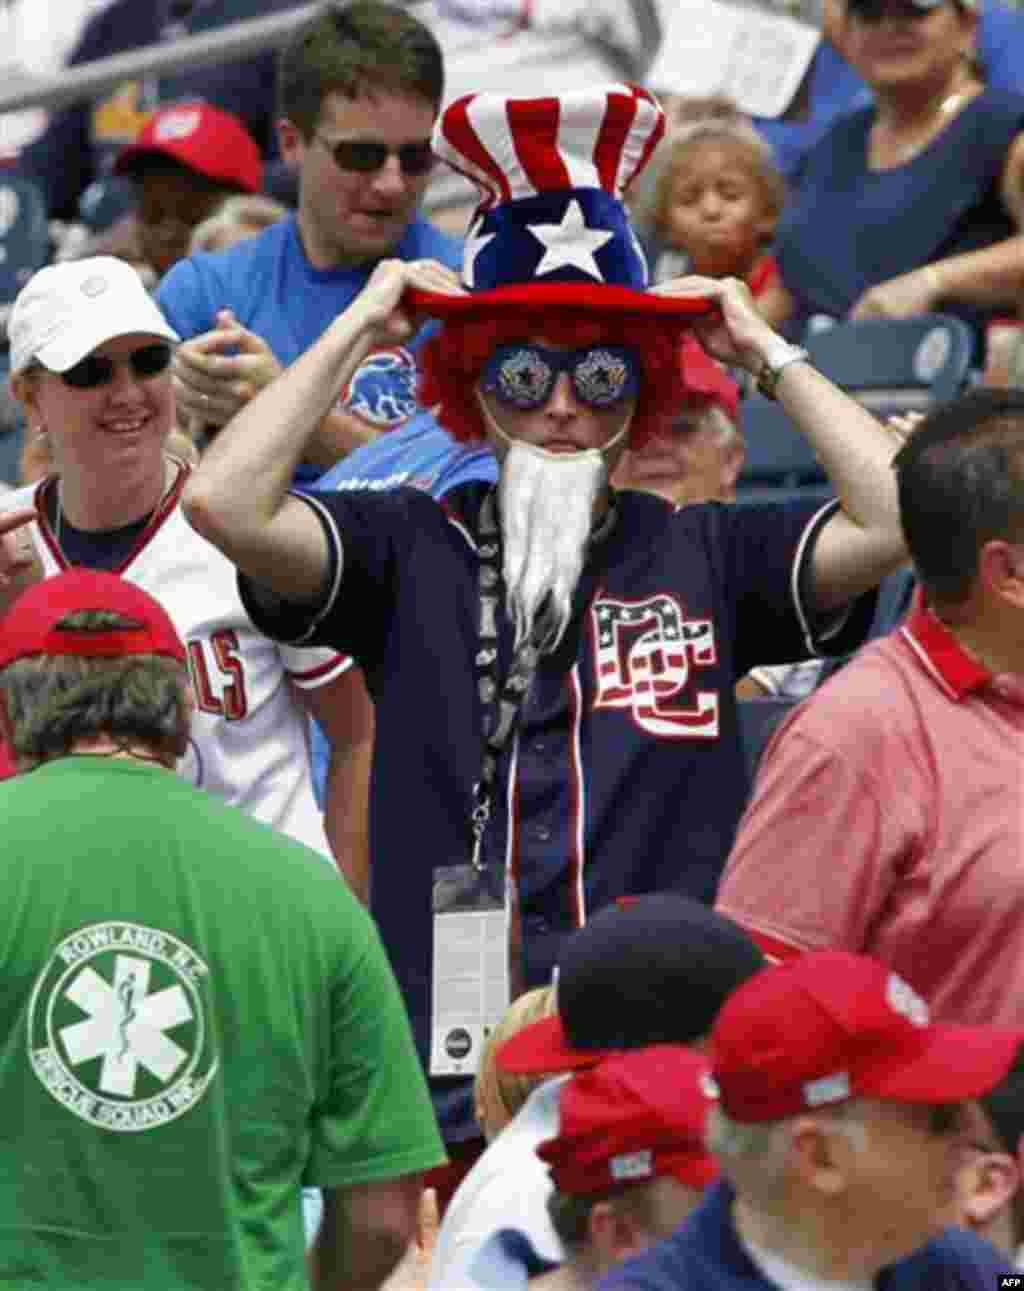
[380, 308]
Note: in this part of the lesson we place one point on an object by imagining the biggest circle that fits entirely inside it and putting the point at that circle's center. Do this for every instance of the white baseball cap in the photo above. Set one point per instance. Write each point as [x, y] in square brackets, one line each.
[66, 310]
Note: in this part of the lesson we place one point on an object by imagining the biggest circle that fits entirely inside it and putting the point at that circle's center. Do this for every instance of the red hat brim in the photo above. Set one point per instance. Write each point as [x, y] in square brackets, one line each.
[544, 1047]
[597, 298]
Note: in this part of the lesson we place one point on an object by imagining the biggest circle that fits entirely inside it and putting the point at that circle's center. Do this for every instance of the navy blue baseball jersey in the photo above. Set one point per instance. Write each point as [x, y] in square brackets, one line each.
[626, 775]
[705, 1254]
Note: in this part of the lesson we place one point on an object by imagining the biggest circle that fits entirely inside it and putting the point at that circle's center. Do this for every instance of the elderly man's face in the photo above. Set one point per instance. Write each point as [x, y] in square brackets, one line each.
[904, 1173]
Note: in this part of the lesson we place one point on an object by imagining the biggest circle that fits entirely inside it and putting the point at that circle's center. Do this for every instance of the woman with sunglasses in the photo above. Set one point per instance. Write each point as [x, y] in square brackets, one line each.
[916, 203]
[91, 364]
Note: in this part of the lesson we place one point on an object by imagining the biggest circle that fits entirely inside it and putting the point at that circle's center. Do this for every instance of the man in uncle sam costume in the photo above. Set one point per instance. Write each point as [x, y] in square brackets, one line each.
[552, 662]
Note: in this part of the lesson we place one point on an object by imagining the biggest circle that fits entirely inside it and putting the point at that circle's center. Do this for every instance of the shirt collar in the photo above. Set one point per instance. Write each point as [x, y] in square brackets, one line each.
[941, 654]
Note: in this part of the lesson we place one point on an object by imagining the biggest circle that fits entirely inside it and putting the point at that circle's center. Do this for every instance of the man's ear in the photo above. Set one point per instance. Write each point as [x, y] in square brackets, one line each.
[6, 726]
[1001, 571]
[291, 142]
[613, 1234]
[986, 1184]
[820, 1158]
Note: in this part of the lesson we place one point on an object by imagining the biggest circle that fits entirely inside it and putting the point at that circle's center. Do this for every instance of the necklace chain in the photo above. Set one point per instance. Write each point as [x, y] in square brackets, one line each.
[952, 101]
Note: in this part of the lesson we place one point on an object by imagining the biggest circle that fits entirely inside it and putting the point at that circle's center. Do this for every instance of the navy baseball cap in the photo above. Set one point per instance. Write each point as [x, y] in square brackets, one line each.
[653, 970]
[1004, 1105]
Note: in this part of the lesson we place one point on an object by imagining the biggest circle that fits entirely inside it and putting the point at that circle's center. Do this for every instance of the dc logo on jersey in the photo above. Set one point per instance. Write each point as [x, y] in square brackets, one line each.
[646, 653]
[118, 1027]
[383, 388]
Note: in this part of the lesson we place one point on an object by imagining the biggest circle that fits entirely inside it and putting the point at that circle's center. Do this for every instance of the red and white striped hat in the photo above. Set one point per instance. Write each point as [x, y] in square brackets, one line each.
[551, 227]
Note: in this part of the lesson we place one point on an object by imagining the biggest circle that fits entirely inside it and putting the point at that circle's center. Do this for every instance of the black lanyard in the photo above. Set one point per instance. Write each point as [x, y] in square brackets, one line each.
[501, 703]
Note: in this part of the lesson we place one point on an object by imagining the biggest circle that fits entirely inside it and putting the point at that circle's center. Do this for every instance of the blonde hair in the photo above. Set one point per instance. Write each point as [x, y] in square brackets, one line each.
[714, 120]
[244, 213]
[506, 1091]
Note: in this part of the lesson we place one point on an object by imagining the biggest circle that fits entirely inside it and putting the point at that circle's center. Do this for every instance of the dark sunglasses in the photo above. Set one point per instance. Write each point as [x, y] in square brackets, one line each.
[523, 376]
[366, 156]
[98, 370]
[874, 11]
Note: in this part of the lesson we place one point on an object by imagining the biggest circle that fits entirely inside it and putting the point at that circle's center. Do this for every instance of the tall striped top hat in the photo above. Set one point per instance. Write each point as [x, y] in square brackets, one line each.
[551, 227]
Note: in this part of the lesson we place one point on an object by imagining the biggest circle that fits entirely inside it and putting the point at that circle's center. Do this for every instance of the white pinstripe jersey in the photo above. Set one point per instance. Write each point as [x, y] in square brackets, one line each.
[249, 739]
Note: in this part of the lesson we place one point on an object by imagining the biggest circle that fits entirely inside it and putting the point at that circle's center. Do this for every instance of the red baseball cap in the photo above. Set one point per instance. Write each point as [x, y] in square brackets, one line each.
[201, 137]
[631, 1118]
[32, 626]
[829, 1026]
[706, 380]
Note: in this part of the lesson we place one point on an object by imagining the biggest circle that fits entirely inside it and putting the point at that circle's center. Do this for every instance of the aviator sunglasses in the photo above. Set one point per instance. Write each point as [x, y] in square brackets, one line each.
[98, 370]
[523, 376]
[365, 155]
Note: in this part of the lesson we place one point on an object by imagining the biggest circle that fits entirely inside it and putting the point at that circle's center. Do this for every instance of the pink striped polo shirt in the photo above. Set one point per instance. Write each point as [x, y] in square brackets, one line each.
[888, 818]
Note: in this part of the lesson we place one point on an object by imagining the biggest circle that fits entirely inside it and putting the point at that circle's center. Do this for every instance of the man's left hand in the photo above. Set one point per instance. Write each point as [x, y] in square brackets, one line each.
[900, 297]
[735, 333]
[210, 385]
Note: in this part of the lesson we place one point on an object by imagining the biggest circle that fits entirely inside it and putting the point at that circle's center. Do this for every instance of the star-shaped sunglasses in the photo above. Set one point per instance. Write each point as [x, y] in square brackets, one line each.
[522, 376]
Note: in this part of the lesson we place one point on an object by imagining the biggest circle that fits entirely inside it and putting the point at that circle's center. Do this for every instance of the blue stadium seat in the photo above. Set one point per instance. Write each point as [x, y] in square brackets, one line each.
[24, 238]
[758, 719]
[895, 364]
[780, 463]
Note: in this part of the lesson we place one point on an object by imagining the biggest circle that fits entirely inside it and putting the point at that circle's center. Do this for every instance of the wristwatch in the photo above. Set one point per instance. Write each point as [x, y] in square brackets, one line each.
[774, 363]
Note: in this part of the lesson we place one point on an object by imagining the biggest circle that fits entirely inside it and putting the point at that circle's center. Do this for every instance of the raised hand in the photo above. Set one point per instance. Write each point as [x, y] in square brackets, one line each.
[735, 332]
[218, 372]
[382, 305]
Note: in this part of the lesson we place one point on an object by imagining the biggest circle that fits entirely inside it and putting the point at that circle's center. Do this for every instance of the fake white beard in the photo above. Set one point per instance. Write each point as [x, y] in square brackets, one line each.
[547, 512]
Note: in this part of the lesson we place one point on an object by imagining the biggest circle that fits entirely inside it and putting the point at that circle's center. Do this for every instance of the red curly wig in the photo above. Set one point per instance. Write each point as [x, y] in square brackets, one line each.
[452, 360]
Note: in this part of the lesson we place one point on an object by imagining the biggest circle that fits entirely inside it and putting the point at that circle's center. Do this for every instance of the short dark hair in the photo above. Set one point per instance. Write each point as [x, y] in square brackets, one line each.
[570, 1212]
[961, 484]
[367, 47]
[53, 702]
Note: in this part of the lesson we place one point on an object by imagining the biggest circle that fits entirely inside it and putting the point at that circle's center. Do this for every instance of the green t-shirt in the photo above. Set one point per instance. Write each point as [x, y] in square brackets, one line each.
[197, 1017]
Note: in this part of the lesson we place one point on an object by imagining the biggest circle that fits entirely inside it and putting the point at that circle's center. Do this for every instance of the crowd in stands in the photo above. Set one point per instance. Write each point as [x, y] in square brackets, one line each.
[375, 469]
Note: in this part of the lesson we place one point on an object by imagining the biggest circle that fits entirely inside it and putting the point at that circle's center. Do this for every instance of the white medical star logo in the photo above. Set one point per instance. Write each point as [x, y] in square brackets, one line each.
[570, 243]
[126, 1025]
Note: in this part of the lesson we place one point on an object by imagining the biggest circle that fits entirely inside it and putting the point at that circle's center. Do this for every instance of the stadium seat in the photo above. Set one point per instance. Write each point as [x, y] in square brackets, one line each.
[24, 238]
[780, 463]
[758, 719]
[895, 364]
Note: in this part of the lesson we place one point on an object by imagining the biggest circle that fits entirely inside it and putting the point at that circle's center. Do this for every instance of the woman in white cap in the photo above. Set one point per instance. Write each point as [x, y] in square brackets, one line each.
[90, 361]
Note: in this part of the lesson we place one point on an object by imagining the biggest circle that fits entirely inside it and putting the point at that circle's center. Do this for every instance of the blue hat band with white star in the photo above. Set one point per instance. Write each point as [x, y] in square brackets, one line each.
[575, 235]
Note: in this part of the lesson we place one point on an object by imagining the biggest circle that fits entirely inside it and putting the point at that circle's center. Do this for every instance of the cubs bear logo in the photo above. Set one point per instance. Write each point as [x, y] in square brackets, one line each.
[646, 654]
[383, 388]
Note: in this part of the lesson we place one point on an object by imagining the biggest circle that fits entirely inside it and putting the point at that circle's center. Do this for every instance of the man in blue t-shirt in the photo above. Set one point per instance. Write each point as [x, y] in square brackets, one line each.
[840, 1129]
[359, 90]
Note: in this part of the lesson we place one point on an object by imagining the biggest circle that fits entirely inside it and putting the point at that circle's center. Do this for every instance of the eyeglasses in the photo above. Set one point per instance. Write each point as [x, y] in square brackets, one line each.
[366, 156]
[874, 11]
[523, 376]
[98, 370]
